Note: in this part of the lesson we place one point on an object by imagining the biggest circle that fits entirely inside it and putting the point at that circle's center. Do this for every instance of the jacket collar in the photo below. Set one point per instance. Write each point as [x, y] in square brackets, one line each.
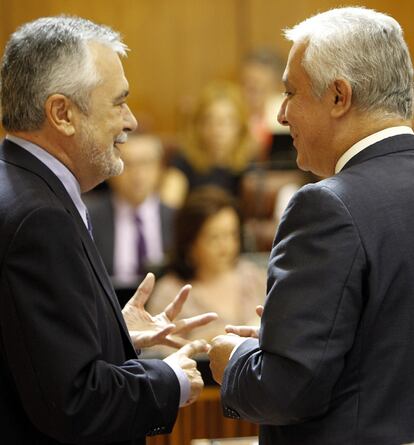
[14, 154]
[384, 147]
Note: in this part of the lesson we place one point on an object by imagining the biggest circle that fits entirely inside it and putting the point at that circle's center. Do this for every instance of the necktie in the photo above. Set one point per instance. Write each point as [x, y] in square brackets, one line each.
[89, 223]
[141, 246]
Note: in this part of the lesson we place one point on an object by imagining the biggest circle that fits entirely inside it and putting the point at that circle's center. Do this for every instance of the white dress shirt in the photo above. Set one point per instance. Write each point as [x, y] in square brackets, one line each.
[368, 141]
[125, 237]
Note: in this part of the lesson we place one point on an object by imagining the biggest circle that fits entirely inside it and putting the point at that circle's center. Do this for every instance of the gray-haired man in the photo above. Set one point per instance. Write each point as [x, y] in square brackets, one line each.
[69, 372]
[334, 362]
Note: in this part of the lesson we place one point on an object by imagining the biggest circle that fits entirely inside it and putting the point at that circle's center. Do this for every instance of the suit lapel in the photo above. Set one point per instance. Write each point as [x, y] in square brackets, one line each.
[16, 155]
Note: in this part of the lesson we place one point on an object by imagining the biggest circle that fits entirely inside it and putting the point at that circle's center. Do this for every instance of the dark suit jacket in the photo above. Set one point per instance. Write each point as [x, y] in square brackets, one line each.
[101, 211]
[68, 371]
[335, 361]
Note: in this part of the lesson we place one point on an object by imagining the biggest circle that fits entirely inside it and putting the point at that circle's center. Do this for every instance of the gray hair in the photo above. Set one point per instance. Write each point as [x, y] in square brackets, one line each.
[47, 56]
[365, 47]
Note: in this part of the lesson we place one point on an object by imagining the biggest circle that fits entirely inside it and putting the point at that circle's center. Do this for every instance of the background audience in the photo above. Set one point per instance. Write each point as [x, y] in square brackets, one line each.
[261, 80]
[216, 146]
[131, 227]
[206, 254]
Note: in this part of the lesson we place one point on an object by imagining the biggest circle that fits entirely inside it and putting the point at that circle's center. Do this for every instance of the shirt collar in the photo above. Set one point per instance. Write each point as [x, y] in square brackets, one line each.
[150, 203]
[65, 176]
[368, 141]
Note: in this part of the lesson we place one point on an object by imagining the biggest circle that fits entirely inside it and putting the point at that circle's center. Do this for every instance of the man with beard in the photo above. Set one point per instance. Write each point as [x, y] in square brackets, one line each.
[69, 371]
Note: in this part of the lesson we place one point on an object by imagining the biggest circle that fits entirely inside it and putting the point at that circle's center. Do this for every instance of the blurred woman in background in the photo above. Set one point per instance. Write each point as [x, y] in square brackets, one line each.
[206, 254]
[217, 148]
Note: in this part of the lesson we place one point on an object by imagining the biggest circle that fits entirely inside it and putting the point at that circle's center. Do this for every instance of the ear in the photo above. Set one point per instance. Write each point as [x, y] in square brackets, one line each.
[341, 97]
[59, 113]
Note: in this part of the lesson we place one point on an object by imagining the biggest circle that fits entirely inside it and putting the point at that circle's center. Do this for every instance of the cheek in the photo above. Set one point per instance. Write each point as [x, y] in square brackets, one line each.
[294, 112]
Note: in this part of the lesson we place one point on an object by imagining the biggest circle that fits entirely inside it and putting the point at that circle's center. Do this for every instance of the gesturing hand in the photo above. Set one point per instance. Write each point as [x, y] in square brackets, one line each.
[183, 358]
[147, 330]
[246, 331]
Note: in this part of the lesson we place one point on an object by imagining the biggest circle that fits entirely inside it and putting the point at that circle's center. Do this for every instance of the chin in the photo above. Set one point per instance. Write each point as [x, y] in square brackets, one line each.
[116, 167]
[302, 165]
[119, 166]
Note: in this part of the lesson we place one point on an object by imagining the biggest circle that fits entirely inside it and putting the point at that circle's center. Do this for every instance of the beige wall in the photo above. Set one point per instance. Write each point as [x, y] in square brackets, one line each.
[179, 45]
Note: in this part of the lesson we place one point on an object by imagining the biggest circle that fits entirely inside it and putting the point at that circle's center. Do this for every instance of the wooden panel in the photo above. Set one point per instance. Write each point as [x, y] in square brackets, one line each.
[204, 420]
[268, 18]
[176, 50]
[177, 46]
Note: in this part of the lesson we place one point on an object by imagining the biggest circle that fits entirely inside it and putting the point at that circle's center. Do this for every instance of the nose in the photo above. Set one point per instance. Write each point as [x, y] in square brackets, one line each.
[281, 115]
[130, 123]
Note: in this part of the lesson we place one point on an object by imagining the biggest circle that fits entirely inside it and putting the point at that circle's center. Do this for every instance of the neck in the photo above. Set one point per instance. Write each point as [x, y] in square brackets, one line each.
[359, 127]
[48, 143]
[59, 148]
[209, 275]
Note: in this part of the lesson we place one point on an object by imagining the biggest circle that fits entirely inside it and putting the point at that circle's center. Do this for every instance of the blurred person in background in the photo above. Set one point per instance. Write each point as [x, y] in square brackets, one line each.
[216, 147]
[206, 254]
[261, 81]
[132, 228]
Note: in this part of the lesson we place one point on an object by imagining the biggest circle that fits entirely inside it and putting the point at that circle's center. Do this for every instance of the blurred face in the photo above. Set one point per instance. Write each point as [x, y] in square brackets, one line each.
[142, 168]
[218, 243]
[308, 117]
[220, 129]
[100, 132]
[259, 83]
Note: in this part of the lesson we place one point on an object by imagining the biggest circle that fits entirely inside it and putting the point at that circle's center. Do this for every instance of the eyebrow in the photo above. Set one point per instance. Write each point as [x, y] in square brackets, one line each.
[121, 97]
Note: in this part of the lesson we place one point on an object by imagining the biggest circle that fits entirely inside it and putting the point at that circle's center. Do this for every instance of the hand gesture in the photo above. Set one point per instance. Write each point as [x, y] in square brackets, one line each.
[183, 358]
[147, 330]
[246, 331]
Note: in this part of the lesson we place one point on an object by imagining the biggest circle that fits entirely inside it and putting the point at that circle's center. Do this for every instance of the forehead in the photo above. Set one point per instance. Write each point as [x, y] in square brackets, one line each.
[108, 66]
[224, 219]
[294, 71]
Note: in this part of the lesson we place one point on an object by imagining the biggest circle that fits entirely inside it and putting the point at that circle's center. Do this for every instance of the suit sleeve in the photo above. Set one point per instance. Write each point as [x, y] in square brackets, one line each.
[313, 307]
[53, 330]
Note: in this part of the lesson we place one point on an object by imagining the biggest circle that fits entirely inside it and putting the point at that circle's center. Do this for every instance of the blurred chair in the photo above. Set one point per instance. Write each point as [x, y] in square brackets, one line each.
[265, 195]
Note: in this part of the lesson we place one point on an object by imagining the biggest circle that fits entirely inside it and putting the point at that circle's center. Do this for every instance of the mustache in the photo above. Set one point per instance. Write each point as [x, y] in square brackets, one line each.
[121, 139]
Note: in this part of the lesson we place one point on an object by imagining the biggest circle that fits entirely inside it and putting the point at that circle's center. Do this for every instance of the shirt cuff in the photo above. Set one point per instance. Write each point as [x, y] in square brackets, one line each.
[237, 346]
[183, 380]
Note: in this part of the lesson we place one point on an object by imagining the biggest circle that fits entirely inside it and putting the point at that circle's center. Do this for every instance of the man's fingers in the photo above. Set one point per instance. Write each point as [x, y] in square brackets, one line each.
[150, 338]
[187, 324]
[175, 341]
[194, 347]
[259, 310]
[144, 291]
[174, 308]
[243, 331]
